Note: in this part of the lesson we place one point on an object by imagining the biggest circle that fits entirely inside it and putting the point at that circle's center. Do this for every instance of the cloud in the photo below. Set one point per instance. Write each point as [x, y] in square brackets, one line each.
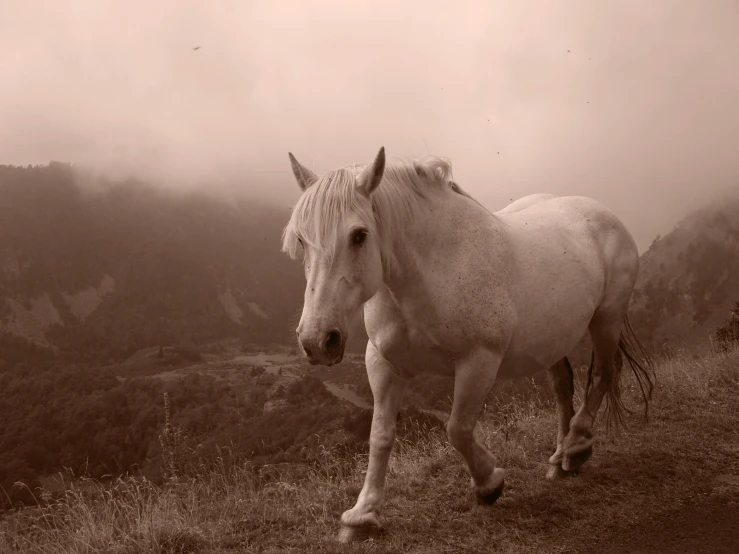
[631, 102]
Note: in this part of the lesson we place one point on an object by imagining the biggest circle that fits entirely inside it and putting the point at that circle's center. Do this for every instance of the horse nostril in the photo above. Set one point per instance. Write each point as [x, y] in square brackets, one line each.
[333, 341]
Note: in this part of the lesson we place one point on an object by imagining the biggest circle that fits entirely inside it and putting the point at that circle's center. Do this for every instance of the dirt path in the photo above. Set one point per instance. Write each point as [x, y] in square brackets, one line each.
[711, 526]
[702, 524]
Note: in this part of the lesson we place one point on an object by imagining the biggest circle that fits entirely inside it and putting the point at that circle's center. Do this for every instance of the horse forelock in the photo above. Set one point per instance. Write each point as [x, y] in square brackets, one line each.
[316, 217]
[319, 211]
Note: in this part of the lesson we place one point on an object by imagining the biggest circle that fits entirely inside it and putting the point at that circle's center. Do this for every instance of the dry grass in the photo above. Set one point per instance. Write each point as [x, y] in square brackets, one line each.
[682, 455]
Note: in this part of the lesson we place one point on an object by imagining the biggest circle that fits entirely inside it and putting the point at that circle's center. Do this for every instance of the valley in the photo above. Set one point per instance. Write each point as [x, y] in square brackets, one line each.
[233, 367]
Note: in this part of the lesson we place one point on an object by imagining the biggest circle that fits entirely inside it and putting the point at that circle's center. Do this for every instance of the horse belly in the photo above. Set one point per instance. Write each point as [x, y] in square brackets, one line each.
[516, 365]
[528, 357]
[559, 282]
[554, 308]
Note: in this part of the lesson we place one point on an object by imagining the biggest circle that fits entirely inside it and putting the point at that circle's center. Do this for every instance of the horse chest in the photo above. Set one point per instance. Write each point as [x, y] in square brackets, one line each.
[411, 349]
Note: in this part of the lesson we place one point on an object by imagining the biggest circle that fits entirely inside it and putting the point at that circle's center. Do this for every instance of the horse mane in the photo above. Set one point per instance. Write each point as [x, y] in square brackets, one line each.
[317, 214]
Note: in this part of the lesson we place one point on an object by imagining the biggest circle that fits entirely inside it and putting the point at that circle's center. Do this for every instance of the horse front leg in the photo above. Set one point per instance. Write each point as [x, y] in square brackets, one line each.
[473, 379]
[562, 381]
[387, 389]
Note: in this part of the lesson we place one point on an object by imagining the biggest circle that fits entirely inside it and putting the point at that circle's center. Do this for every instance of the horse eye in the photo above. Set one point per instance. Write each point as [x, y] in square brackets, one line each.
[454, 186]
[359, 236]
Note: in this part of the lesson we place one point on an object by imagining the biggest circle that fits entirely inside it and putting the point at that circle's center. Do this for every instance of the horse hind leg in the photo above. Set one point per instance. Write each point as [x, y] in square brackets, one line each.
[562, 381]
[603, 378]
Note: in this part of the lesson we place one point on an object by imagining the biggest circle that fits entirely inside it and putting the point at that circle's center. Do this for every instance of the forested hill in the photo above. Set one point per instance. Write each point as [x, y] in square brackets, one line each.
[102, 273]
[689, 279]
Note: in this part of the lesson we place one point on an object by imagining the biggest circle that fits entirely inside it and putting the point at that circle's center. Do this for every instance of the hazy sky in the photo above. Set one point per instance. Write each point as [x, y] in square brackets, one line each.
[635, 103]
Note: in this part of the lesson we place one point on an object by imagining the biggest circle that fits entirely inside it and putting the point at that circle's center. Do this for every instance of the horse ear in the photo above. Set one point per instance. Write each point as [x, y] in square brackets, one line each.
[303, 175]
[372, 175]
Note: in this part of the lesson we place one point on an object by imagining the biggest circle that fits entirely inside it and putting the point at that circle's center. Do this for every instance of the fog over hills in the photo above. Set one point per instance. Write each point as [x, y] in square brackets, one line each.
[689, 278]
[106, 273]
[102, 271]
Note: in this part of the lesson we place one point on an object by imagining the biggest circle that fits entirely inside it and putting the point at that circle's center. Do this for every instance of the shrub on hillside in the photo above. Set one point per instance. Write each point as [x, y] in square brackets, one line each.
[188, 352]
[307, 389]
[257, 370]
[726, 336]
[266, 379]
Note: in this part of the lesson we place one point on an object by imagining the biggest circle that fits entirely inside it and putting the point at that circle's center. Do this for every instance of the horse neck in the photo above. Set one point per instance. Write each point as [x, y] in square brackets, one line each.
[421, 243]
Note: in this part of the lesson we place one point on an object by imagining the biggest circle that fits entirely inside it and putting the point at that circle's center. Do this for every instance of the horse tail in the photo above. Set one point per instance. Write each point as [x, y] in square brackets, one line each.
[631, 348]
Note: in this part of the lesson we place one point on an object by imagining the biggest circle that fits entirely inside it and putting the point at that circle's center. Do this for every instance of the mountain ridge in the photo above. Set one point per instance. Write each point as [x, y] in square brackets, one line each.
[105, 269]
[133, 260]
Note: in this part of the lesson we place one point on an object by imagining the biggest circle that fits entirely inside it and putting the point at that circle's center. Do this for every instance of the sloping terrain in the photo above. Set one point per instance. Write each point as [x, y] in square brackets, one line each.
[667, 485]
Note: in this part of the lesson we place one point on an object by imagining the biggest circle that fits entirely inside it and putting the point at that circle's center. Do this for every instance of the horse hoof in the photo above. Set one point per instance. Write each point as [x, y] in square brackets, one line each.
[573, 462]
[490, 498]
[358, 533]
[492, 490]
[555, 471]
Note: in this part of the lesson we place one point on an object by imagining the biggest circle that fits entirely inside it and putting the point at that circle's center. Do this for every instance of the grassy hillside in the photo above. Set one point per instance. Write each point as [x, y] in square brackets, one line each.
[268, 407]
[689, 279]
[670, 484]
[104, 422]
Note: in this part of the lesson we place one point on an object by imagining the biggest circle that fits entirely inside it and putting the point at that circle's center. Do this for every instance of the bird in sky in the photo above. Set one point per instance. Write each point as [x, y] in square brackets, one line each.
[197, 48]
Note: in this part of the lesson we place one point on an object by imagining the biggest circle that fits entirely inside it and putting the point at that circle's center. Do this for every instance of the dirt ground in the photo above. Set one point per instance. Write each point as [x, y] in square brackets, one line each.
[711, 526]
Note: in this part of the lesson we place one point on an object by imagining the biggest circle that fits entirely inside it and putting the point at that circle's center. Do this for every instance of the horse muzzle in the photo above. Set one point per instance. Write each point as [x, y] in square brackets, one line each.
[325, 348]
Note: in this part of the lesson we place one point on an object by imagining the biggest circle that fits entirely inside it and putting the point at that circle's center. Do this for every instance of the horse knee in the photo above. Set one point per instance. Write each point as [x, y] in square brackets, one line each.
[459, 435]
[382, 440]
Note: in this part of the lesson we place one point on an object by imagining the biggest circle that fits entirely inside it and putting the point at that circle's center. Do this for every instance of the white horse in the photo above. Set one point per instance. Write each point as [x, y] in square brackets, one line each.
[449, 287]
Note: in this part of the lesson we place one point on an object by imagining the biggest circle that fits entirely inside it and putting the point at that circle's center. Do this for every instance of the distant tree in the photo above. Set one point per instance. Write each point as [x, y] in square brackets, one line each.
[712, 261]
[307, 389]
[257, 370]
[726, 336]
